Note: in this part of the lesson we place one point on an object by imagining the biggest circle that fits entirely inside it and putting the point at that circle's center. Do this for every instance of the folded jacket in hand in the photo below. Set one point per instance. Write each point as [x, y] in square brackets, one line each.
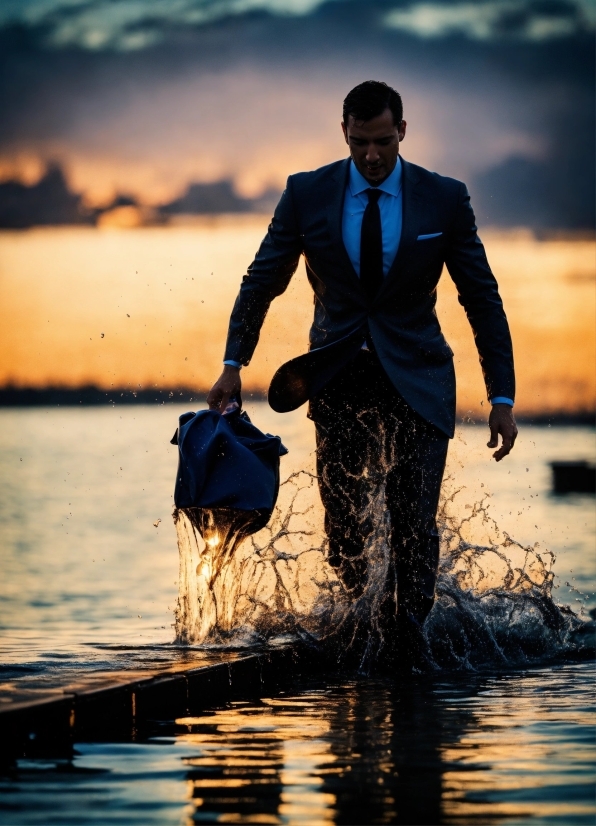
[226, 462]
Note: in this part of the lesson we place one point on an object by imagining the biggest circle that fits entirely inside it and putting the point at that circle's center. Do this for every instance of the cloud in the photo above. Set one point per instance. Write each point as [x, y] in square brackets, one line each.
[150, 135]
[129, 25]
[521, 19]
[255, 96]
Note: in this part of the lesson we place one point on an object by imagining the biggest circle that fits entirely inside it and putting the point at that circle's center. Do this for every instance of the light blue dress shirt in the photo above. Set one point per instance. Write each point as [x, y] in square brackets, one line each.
[390, 206]
[356, 201]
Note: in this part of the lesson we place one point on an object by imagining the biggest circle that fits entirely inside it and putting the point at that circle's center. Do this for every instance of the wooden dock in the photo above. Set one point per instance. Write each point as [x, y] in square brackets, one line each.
[123, 703]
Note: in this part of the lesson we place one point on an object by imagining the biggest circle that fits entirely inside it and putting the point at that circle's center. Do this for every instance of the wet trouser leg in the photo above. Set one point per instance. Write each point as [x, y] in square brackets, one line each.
[367, 436]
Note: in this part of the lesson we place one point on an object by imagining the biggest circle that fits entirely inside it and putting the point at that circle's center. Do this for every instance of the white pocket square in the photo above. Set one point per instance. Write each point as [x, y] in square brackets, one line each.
[430, 235]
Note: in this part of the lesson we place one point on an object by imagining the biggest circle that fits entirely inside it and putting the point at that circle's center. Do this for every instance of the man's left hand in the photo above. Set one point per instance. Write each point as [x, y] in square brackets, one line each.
[502, 420]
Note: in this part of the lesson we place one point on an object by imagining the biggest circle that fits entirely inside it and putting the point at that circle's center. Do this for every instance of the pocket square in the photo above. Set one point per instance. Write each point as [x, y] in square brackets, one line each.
[430, 235]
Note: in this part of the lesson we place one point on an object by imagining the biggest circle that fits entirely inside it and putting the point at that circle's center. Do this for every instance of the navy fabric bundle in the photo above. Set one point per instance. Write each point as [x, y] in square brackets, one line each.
[226, 462]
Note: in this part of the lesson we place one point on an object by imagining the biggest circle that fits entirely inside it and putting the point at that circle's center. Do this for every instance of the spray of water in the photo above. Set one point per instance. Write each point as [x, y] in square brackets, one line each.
[275, 582]
[494, 601]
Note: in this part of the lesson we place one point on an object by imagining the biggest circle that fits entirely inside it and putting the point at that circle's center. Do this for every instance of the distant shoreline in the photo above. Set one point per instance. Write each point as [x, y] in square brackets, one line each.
[189, 220]
[92, 396]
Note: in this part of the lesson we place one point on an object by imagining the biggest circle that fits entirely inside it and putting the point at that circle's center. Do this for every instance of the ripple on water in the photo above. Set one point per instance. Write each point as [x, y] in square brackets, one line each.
[513, 747]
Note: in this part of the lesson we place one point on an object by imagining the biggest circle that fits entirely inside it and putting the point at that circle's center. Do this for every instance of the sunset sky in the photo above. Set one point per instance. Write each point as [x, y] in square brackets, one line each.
[150, 307]
[142, 97]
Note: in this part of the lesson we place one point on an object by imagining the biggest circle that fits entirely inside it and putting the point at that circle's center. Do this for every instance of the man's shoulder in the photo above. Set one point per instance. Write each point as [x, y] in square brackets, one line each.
[433, 180]
[319, 177]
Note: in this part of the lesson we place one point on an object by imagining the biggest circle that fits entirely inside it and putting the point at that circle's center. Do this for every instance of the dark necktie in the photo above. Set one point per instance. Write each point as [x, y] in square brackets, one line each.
[371, 245]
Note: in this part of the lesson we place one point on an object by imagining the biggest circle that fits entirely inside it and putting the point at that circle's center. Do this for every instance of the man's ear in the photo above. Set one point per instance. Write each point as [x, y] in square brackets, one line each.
[401, 132]
[345, 131]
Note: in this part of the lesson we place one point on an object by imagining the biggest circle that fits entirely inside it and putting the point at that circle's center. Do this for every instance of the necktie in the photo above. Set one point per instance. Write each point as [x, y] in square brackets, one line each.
[371, 245]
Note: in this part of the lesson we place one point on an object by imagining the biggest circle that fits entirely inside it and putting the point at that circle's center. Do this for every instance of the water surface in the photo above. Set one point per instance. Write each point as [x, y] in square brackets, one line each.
[513, 748]
[89, 557]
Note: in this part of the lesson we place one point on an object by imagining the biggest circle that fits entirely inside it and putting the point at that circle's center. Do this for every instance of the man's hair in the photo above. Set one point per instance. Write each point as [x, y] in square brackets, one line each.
[370, 99]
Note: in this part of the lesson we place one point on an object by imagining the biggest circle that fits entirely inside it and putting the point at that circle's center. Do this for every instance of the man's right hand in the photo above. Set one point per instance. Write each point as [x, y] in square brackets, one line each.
[228, 384]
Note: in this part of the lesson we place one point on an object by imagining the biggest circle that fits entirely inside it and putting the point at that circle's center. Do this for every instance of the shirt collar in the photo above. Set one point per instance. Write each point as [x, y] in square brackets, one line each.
[391, 185]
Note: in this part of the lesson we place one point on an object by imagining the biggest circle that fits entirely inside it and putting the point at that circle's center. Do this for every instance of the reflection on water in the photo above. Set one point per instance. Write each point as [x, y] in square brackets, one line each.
[513, 748]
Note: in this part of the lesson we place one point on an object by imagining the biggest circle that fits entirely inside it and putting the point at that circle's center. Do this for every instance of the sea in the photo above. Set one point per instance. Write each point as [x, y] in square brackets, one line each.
[91, 564]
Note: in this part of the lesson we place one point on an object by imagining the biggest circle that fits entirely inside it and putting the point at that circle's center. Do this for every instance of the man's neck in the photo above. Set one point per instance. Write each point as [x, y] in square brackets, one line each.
[359, 180]
[382, 181]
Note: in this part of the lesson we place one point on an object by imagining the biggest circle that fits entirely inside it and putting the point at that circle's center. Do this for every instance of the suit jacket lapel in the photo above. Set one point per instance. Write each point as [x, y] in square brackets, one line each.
[335, 219]
[412, 204]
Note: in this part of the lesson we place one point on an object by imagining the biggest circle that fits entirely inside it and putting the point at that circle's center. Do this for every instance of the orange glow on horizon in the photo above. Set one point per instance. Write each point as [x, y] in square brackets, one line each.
[150, 306]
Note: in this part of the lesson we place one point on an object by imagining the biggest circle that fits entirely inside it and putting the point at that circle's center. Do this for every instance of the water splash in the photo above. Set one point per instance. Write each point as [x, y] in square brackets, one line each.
[494, 603]
[241, 591]
[495, 600]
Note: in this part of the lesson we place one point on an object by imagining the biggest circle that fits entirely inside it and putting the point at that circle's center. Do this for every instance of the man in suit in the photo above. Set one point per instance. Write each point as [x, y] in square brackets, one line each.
[375, 232]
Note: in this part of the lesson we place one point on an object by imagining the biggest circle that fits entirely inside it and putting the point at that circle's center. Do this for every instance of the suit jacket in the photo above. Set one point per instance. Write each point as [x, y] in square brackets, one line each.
[401, 318]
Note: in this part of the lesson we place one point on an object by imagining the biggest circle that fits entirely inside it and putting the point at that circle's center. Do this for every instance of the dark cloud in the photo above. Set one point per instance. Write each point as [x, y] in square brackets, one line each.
[106, 24]
[49, 201]
[555, 192]
[244, 87]
[486, 20]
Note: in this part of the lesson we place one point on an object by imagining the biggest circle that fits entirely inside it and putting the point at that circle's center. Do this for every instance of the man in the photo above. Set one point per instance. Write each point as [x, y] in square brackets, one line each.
[375, 232]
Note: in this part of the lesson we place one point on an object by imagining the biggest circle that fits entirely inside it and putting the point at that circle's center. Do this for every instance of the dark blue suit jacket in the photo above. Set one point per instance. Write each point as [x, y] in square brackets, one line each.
[401, 318]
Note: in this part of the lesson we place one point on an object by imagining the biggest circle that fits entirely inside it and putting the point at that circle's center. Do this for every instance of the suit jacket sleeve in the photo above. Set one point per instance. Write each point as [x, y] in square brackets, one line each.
[267, 277]
[479, 295]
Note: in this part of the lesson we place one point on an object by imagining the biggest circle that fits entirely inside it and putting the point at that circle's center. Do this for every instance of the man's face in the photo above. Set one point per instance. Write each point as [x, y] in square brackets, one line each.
[374, 145]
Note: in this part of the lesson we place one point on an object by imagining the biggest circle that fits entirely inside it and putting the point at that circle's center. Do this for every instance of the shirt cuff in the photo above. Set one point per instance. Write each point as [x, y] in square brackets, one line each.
[502, 400]
[237, 364]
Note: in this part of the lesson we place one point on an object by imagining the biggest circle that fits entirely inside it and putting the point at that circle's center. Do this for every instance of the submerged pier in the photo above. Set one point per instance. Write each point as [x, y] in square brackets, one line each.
[121, 703]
